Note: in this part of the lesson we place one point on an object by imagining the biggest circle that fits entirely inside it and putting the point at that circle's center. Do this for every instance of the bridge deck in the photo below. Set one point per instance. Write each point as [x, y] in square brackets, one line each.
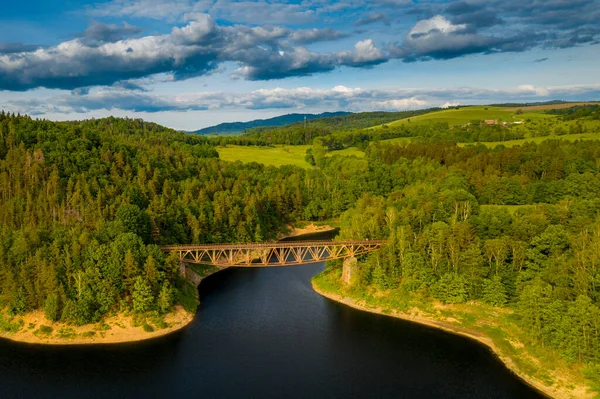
[265, 245]
[280, 253]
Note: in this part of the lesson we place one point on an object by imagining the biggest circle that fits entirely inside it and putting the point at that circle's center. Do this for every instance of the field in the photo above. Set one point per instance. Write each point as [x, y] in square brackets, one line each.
[277, 155]
[460, 116]
[274, 156]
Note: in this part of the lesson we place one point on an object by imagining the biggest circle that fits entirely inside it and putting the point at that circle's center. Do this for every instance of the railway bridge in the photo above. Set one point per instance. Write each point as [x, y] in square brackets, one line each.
[281, 253]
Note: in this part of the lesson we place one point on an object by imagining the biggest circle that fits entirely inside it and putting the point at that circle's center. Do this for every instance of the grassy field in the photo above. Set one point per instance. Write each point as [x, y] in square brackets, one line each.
[277, 155]
[274, 156]
[460, 116]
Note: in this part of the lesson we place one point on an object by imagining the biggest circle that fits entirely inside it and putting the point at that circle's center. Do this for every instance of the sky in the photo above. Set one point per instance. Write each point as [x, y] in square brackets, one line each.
[188, 64]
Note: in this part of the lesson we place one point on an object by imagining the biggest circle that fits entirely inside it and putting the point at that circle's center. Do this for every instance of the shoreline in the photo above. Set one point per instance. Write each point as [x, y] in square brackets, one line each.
[121, 329]
[308, 229]
[548, 391]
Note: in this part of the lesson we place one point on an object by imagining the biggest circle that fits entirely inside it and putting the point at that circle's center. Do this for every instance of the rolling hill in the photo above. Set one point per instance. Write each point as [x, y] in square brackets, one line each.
[233, 128]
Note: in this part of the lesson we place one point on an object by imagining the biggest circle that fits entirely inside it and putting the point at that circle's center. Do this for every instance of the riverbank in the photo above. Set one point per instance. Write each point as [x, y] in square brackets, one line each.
[307, 229]
[35, 328]
[553, 377]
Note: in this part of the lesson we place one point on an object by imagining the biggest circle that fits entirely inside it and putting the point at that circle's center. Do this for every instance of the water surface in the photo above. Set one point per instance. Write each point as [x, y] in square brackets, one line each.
[264, 333]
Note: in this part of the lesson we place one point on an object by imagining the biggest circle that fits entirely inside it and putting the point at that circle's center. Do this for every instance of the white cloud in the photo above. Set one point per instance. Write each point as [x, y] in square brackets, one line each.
[437, 24]
[448, 104]
[539, 91]
[401, 104]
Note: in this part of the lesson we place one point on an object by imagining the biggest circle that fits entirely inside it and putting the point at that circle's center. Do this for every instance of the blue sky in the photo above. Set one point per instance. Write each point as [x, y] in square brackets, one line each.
[189, 64]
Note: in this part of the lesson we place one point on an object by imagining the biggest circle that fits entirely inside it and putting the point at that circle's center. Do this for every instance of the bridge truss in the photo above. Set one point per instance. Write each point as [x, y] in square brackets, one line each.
[282, 253]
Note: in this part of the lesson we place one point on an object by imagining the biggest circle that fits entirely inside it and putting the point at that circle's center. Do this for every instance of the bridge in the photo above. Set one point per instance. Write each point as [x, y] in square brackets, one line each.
[281, 253]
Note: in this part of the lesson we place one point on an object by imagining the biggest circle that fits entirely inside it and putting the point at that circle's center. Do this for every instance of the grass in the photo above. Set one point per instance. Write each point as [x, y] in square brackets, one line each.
[9, 324]
[399, 140]
[459, 116]
[278, 155]
[272, 156]
[67, 333]
[43, 331]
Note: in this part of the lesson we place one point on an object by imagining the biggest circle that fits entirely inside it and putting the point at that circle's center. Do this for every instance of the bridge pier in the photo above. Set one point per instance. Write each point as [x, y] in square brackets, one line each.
[349, 270]
[182, 268]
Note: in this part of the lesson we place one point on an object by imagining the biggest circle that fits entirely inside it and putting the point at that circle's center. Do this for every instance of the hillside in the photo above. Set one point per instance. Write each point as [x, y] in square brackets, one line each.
[299, 133]
[233, 128]
[531, 124]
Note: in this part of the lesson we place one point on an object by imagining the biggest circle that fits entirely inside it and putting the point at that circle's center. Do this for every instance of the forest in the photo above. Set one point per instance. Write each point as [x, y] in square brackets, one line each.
[85, 205]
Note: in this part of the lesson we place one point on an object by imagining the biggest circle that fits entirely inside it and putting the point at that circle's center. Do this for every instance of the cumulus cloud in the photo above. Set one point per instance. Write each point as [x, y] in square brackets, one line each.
[106, 53]
[433, 26]
[192, 50]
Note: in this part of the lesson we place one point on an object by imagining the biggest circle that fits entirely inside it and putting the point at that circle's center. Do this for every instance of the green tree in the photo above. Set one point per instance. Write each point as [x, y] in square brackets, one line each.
[165, 298]
[451, 288]
[142, 296]
[494, 292]
[52, 307]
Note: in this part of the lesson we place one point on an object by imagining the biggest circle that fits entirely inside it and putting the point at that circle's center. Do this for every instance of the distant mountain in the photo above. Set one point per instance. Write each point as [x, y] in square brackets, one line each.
[233, 128]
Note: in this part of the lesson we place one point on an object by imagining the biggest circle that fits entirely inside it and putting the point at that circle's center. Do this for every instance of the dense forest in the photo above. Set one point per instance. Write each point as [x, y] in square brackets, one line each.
[84, 206]
[513, 227]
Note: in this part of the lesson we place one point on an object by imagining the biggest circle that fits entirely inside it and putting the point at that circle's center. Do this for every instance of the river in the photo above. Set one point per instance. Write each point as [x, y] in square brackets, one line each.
[264, 333]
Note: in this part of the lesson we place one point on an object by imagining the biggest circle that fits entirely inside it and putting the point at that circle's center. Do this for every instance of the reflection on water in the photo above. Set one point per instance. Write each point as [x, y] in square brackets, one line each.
[263, 333]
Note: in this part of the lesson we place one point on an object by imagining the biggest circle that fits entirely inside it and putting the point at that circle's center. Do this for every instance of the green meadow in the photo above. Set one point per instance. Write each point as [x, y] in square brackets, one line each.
[277, 155]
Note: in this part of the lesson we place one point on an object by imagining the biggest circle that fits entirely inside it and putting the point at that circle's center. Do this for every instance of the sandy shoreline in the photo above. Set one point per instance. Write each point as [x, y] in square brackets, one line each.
[309, 229]
[120, 330]
[550, 391]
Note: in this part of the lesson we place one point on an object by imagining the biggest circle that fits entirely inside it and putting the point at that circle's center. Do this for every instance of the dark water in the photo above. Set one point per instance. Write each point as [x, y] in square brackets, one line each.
[263, 333]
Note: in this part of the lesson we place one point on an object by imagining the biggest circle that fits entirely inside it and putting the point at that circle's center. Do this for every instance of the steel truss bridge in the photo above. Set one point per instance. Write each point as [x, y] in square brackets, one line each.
[282, 253]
